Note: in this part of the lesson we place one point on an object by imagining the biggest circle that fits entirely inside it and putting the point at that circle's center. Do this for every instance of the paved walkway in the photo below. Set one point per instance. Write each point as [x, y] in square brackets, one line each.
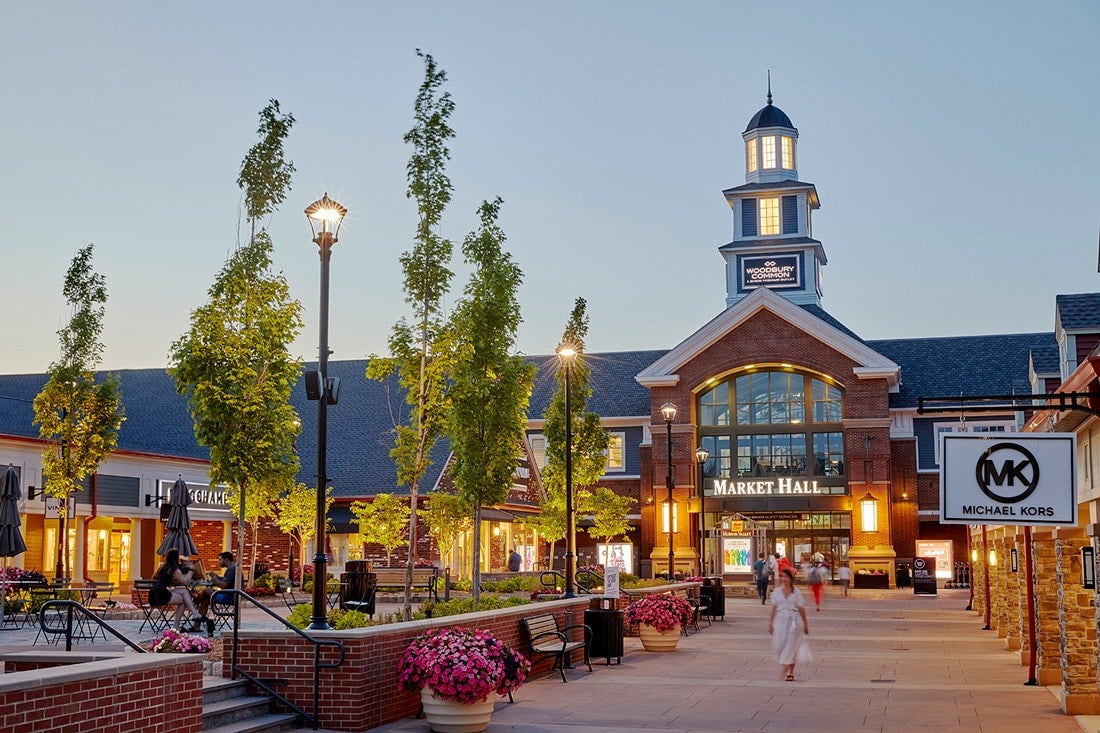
[884, 661]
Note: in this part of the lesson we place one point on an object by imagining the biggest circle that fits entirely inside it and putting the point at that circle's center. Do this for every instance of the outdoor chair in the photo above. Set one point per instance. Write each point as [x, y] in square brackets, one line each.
[155, 606]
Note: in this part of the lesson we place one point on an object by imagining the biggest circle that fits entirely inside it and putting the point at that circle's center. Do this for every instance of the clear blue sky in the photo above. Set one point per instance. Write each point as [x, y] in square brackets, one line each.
[954, 147]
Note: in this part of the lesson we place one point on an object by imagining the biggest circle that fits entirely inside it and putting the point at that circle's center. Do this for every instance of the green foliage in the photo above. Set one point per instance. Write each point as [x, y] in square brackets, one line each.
[512, 584]
[72, 410]
[384, 521]
[431, 609]
[296, 514]
[346, 619]
[608, 510]
[446, 516]
[265, 173]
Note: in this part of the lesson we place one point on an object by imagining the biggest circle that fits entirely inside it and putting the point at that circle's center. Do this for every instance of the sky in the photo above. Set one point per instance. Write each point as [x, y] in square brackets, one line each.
[954, 148]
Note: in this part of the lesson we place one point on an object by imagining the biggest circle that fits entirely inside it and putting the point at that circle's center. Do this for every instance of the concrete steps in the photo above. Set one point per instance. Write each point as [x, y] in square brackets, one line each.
[228, 708]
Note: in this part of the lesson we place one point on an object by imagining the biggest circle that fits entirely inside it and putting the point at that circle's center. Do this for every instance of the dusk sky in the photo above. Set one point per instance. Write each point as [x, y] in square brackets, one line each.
[954, 146]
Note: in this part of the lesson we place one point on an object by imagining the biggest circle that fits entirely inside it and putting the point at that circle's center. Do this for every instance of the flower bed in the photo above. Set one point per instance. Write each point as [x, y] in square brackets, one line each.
[462, 665]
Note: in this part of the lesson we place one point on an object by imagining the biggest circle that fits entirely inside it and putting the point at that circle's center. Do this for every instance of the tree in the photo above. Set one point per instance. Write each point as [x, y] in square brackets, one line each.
[490, 383]
[550, 521]
[446, 516]
[234, 365]
[608, 511]
[383, 521]
[589, 439]
[81, 416]
[296, 515]
[420, 351]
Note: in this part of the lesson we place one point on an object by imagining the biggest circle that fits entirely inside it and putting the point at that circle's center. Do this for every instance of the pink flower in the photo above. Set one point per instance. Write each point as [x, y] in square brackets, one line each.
[662, 611]
[463, 665]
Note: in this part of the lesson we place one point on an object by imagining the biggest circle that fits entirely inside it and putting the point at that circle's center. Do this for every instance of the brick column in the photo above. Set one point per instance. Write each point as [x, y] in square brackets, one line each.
[1077, 625]
[1048, 636]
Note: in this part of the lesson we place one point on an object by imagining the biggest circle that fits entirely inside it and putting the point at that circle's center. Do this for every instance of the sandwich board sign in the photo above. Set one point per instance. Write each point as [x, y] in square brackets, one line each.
[1009, 478]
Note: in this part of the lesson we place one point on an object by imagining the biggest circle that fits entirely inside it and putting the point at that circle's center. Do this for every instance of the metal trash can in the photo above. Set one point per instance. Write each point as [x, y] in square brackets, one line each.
[357, 587]
[715, 596]
[607, 633]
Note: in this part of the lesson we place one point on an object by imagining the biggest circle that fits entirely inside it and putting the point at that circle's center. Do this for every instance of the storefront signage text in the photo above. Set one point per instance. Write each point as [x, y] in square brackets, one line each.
[770, 271]
[726, 487]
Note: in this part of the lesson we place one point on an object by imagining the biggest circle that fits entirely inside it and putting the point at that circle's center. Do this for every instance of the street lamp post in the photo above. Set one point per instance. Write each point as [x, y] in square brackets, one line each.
[324, 218]
[669, 411]
[566, 354]
[701, 456]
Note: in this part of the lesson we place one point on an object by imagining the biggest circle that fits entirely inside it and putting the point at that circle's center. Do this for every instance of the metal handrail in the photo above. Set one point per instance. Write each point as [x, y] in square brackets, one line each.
[554, 576]
[71, 607]
[225, 609]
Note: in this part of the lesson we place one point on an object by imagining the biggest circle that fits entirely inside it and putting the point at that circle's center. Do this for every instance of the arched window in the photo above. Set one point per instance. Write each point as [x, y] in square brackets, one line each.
[775, 423]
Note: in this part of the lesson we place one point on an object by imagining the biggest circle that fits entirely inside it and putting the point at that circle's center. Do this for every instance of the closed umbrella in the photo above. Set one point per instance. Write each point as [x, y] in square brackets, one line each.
[11, 536]
[178, 522]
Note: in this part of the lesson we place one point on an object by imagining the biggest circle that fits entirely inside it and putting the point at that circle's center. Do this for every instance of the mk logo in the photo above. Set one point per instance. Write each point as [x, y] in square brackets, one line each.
[1011, 468]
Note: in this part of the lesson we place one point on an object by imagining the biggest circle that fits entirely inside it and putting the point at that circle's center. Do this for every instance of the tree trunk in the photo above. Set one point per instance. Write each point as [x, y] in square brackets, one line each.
[406, 609]
[475, 555]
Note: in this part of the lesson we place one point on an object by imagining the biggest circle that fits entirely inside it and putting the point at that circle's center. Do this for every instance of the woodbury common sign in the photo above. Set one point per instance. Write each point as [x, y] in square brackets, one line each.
[1009, 478]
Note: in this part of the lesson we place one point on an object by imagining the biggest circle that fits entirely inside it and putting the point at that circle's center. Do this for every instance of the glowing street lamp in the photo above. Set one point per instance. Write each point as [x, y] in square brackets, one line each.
[668, 410]
[567, 355]
[325, 217]
[701, 456]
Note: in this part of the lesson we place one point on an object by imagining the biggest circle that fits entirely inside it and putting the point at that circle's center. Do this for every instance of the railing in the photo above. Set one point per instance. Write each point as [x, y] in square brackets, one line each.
[232, 608]
[550, 578]
[73, 607]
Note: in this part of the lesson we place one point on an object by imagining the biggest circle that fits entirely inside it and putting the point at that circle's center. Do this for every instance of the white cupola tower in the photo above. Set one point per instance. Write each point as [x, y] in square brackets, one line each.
[773, 244]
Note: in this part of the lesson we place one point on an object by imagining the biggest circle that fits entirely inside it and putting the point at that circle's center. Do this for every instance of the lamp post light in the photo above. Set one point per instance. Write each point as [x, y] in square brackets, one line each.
[668, 410]
[325, 217]
[701, 456]
[567, 355]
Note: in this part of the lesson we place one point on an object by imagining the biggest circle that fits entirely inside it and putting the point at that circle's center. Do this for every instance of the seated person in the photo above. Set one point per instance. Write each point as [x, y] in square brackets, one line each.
[173, 577]
[226, 560]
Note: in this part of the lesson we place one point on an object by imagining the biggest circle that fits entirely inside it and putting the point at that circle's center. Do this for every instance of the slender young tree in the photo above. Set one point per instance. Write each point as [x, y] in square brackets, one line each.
[589, 439]
[80, 416]
[491, 384]
[234, 364]
[608, 511]
[420, 349]
[446, 516]
[296, 515]
[382, 521]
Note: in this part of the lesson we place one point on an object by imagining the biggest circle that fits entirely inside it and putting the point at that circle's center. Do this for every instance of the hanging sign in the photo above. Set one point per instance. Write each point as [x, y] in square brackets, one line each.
[1009, 478]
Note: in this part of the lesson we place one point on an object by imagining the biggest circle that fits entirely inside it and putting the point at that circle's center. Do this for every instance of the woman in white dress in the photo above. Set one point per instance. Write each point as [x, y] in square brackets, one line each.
[788, 625]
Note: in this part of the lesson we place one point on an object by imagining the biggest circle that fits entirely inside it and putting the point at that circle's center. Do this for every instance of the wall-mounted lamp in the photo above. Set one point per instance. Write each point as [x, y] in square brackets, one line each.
[973, 556]
[668, 526]
[1088, 567]
[868, 509]
[1013, 560]
[151, 499]
[992, 558]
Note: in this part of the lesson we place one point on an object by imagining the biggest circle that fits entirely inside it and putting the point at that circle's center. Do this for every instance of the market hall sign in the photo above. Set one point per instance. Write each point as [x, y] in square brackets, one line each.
[1009, 478]
[781, 271]
[727, 487]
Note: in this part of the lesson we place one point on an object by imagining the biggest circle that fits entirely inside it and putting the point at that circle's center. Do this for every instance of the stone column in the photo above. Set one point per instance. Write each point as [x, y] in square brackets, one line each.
[997, 616]
[1048, 636]
[1077, 625]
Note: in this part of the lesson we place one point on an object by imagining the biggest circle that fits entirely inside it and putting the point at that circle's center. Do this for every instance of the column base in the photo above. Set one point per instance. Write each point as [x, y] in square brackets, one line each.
[1081, 704]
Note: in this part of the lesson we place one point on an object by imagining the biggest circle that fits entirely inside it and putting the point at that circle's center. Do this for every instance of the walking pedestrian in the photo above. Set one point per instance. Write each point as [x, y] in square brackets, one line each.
[816, 577]
[762, 569]
[845, 574]
[788, 625]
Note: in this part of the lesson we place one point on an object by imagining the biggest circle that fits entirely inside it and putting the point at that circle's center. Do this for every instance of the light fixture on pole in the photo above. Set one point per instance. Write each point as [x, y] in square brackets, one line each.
[868, 510]
[668, 410]
[325, 217]
[566, 355]
[701, 456]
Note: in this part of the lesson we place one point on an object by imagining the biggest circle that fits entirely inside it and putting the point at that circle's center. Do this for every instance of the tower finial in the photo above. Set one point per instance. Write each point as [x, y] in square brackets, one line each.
[769, 86]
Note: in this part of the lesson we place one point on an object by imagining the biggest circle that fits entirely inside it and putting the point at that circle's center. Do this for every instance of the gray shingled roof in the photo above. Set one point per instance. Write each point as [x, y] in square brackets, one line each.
[750, 187]
[1045, 358]
[1079, 311]
[614, 389]
[959, 365]
[778, 242]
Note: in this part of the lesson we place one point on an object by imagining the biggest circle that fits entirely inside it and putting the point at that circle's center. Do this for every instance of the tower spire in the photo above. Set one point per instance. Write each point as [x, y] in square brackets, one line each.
[769, 86]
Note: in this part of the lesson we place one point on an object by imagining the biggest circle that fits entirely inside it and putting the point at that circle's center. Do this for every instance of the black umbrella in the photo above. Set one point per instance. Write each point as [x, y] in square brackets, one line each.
[178, 523]
[11, 536]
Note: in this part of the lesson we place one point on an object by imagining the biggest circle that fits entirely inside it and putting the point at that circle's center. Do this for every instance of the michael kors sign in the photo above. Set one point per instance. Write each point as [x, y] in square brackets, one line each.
[1009, 478]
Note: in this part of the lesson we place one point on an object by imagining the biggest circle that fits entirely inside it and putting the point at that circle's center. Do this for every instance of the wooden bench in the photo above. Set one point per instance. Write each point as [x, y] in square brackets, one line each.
[547, 639]
[425, 578]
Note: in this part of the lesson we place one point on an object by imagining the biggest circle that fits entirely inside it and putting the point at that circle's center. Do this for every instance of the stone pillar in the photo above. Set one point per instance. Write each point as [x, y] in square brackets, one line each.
[1077, 624]
[997, 602]
[977, 576]
[1048, 636]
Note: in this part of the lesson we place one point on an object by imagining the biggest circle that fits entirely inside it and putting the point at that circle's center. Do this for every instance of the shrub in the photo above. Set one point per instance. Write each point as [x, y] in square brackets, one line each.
[431, 609]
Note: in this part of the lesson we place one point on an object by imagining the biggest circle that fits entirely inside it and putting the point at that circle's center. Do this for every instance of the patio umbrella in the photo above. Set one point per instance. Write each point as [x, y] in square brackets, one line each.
[178, 522]
[11, 537]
